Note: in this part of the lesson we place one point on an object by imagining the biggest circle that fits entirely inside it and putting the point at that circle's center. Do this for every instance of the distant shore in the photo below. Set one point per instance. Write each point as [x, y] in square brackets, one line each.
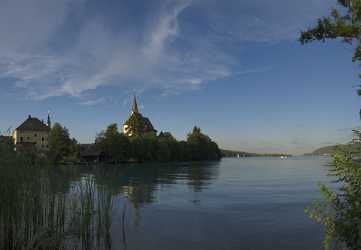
[233, 153]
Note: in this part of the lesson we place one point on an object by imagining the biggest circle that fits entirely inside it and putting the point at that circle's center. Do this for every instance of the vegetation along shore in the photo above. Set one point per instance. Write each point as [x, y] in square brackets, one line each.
[137, 142]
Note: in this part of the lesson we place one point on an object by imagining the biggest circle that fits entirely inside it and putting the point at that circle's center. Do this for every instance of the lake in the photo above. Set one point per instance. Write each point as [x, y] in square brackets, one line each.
[238, 203]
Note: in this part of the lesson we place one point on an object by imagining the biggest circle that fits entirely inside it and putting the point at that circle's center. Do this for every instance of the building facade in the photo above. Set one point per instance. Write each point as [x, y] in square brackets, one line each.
[137, 124]
[32, 133]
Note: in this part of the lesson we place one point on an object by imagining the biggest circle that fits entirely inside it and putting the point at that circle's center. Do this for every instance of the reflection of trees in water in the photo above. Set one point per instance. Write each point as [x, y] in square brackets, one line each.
[73, 208]
[199, 174]
[129, 187]
[140, 182]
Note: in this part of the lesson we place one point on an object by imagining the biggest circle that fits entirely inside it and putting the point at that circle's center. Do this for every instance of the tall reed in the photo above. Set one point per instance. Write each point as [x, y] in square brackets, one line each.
[36, 214]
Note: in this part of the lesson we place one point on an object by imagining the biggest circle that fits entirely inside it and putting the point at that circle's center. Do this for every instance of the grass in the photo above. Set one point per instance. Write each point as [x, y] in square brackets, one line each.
[41, 210]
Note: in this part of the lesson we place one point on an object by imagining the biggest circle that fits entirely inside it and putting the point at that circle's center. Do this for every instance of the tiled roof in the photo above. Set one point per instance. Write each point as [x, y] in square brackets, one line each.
[33, 124]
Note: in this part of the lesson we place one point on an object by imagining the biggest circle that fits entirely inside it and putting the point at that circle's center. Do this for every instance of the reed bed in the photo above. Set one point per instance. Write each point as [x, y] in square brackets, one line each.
[36, 214]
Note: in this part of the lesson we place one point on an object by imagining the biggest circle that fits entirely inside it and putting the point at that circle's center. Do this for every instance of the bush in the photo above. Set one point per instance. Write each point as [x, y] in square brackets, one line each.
[340, 211]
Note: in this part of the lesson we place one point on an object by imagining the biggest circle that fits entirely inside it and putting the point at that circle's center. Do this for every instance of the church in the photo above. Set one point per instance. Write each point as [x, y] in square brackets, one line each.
[137, 124]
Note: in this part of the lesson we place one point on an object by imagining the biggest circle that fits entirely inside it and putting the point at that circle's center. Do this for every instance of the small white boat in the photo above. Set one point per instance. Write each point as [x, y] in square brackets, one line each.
[283, 157]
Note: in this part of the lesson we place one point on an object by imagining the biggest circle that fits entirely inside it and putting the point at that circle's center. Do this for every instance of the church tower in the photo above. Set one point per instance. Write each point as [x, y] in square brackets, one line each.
[137, 124]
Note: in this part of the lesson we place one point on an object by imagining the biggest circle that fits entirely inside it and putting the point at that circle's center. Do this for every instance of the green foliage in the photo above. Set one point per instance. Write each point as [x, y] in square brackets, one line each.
[345, 24]
[6, 146]
[168, 148]
[184, 151]
[139, 125]
[37, 212]
[340, 211]
[116, 147]
[144, 147]
[202, 147]
[39, 209]
[61, 146]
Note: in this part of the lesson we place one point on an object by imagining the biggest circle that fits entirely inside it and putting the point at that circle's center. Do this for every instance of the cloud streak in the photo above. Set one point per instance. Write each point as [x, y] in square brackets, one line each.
[93, 102]
[69, 48]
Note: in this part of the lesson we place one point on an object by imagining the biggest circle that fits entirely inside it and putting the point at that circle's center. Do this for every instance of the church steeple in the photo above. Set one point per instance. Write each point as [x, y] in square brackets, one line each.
[134, 105]
[49, 122]
[136, 123]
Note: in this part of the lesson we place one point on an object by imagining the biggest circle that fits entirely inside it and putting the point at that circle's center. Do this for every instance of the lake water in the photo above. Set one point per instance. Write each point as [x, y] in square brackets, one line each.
[245, 203]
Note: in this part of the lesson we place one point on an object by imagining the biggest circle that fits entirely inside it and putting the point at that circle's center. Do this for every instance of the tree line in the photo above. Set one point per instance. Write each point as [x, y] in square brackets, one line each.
[114, 147]
[117, 147]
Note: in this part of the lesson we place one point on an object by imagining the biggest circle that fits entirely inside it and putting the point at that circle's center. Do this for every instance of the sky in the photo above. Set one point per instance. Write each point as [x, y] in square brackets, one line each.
[234, 68]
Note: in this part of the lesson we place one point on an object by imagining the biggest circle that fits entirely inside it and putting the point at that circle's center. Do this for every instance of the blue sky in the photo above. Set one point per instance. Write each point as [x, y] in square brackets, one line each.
[234, 68]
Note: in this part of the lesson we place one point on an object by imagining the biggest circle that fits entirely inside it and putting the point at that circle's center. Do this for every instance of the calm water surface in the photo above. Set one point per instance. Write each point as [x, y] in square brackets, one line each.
[246, 203]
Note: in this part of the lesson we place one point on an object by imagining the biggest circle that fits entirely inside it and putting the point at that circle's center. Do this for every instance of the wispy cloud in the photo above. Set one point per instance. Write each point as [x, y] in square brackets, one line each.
[64, 47]
[93, 102]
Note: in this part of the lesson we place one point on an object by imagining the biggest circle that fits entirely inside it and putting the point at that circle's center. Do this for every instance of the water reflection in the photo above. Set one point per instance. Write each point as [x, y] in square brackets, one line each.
[123, 190]
[227, 205]
[138, 183]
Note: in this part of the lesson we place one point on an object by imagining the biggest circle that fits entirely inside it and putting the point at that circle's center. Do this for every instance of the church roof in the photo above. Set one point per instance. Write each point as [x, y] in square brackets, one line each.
[33, 124]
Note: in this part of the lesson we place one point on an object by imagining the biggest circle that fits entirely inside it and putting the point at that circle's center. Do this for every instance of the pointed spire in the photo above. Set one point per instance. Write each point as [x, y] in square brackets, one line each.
[49, 122]
[134, 105]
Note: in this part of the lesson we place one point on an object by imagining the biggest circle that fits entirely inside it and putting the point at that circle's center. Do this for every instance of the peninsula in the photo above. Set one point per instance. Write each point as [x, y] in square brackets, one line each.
[138, 141]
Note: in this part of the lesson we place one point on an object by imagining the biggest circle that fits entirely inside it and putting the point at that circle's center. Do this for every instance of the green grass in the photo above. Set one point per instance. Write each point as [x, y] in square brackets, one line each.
[42, 207]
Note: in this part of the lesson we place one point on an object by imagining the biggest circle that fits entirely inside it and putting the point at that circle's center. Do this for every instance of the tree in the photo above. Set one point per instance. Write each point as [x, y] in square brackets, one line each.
[138, 148]
[114, 145]
[184, 151]
[144, 147]
[340, 211]
[167, 149]
[61, 145]
[345, 26]
[202, 147]
[6, 146]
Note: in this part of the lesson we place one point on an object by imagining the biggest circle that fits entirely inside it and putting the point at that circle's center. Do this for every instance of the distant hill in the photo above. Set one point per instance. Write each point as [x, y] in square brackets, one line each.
[234, 153]
[328, 150]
